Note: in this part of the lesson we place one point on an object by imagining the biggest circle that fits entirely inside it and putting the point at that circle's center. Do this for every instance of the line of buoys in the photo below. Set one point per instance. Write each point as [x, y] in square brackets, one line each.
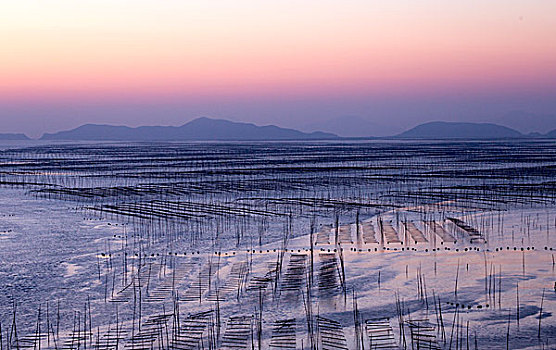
[518, 248]
[352, 249]
[469, 307]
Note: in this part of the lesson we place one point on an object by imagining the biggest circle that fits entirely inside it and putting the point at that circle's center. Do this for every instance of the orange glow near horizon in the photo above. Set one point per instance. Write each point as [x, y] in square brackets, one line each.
[147, 48]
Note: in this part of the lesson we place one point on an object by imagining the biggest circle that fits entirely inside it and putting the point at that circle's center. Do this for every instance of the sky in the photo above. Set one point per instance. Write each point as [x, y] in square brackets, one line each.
[389, 64]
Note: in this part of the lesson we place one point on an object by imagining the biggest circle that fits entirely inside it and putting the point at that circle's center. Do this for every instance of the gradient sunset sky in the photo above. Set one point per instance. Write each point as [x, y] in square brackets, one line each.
[394, 63]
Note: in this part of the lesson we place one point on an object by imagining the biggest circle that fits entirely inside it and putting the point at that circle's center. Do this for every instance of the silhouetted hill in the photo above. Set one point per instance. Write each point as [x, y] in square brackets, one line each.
[13, 137]
[450, 130]
[200, 129]
[551, 134]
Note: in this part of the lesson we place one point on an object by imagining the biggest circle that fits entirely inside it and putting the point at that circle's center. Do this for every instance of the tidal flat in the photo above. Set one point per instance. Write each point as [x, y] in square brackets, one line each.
[278, 245]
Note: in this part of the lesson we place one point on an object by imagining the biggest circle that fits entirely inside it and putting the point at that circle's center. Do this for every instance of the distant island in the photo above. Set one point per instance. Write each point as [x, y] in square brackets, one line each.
[209, 129]
[454, 130]
[14, 137]
[200, 129]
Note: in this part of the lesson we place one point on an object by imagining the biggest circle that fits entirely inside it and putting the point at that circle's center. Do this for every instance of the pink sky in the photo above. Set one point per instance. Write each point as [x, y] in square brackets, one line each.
[99, 50]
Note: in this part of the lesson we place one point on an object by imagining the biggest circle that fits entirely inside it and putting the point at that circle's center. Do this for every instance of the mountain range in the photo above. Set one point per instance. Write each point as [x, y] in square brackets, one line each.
[200, 129]
[208, 129]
